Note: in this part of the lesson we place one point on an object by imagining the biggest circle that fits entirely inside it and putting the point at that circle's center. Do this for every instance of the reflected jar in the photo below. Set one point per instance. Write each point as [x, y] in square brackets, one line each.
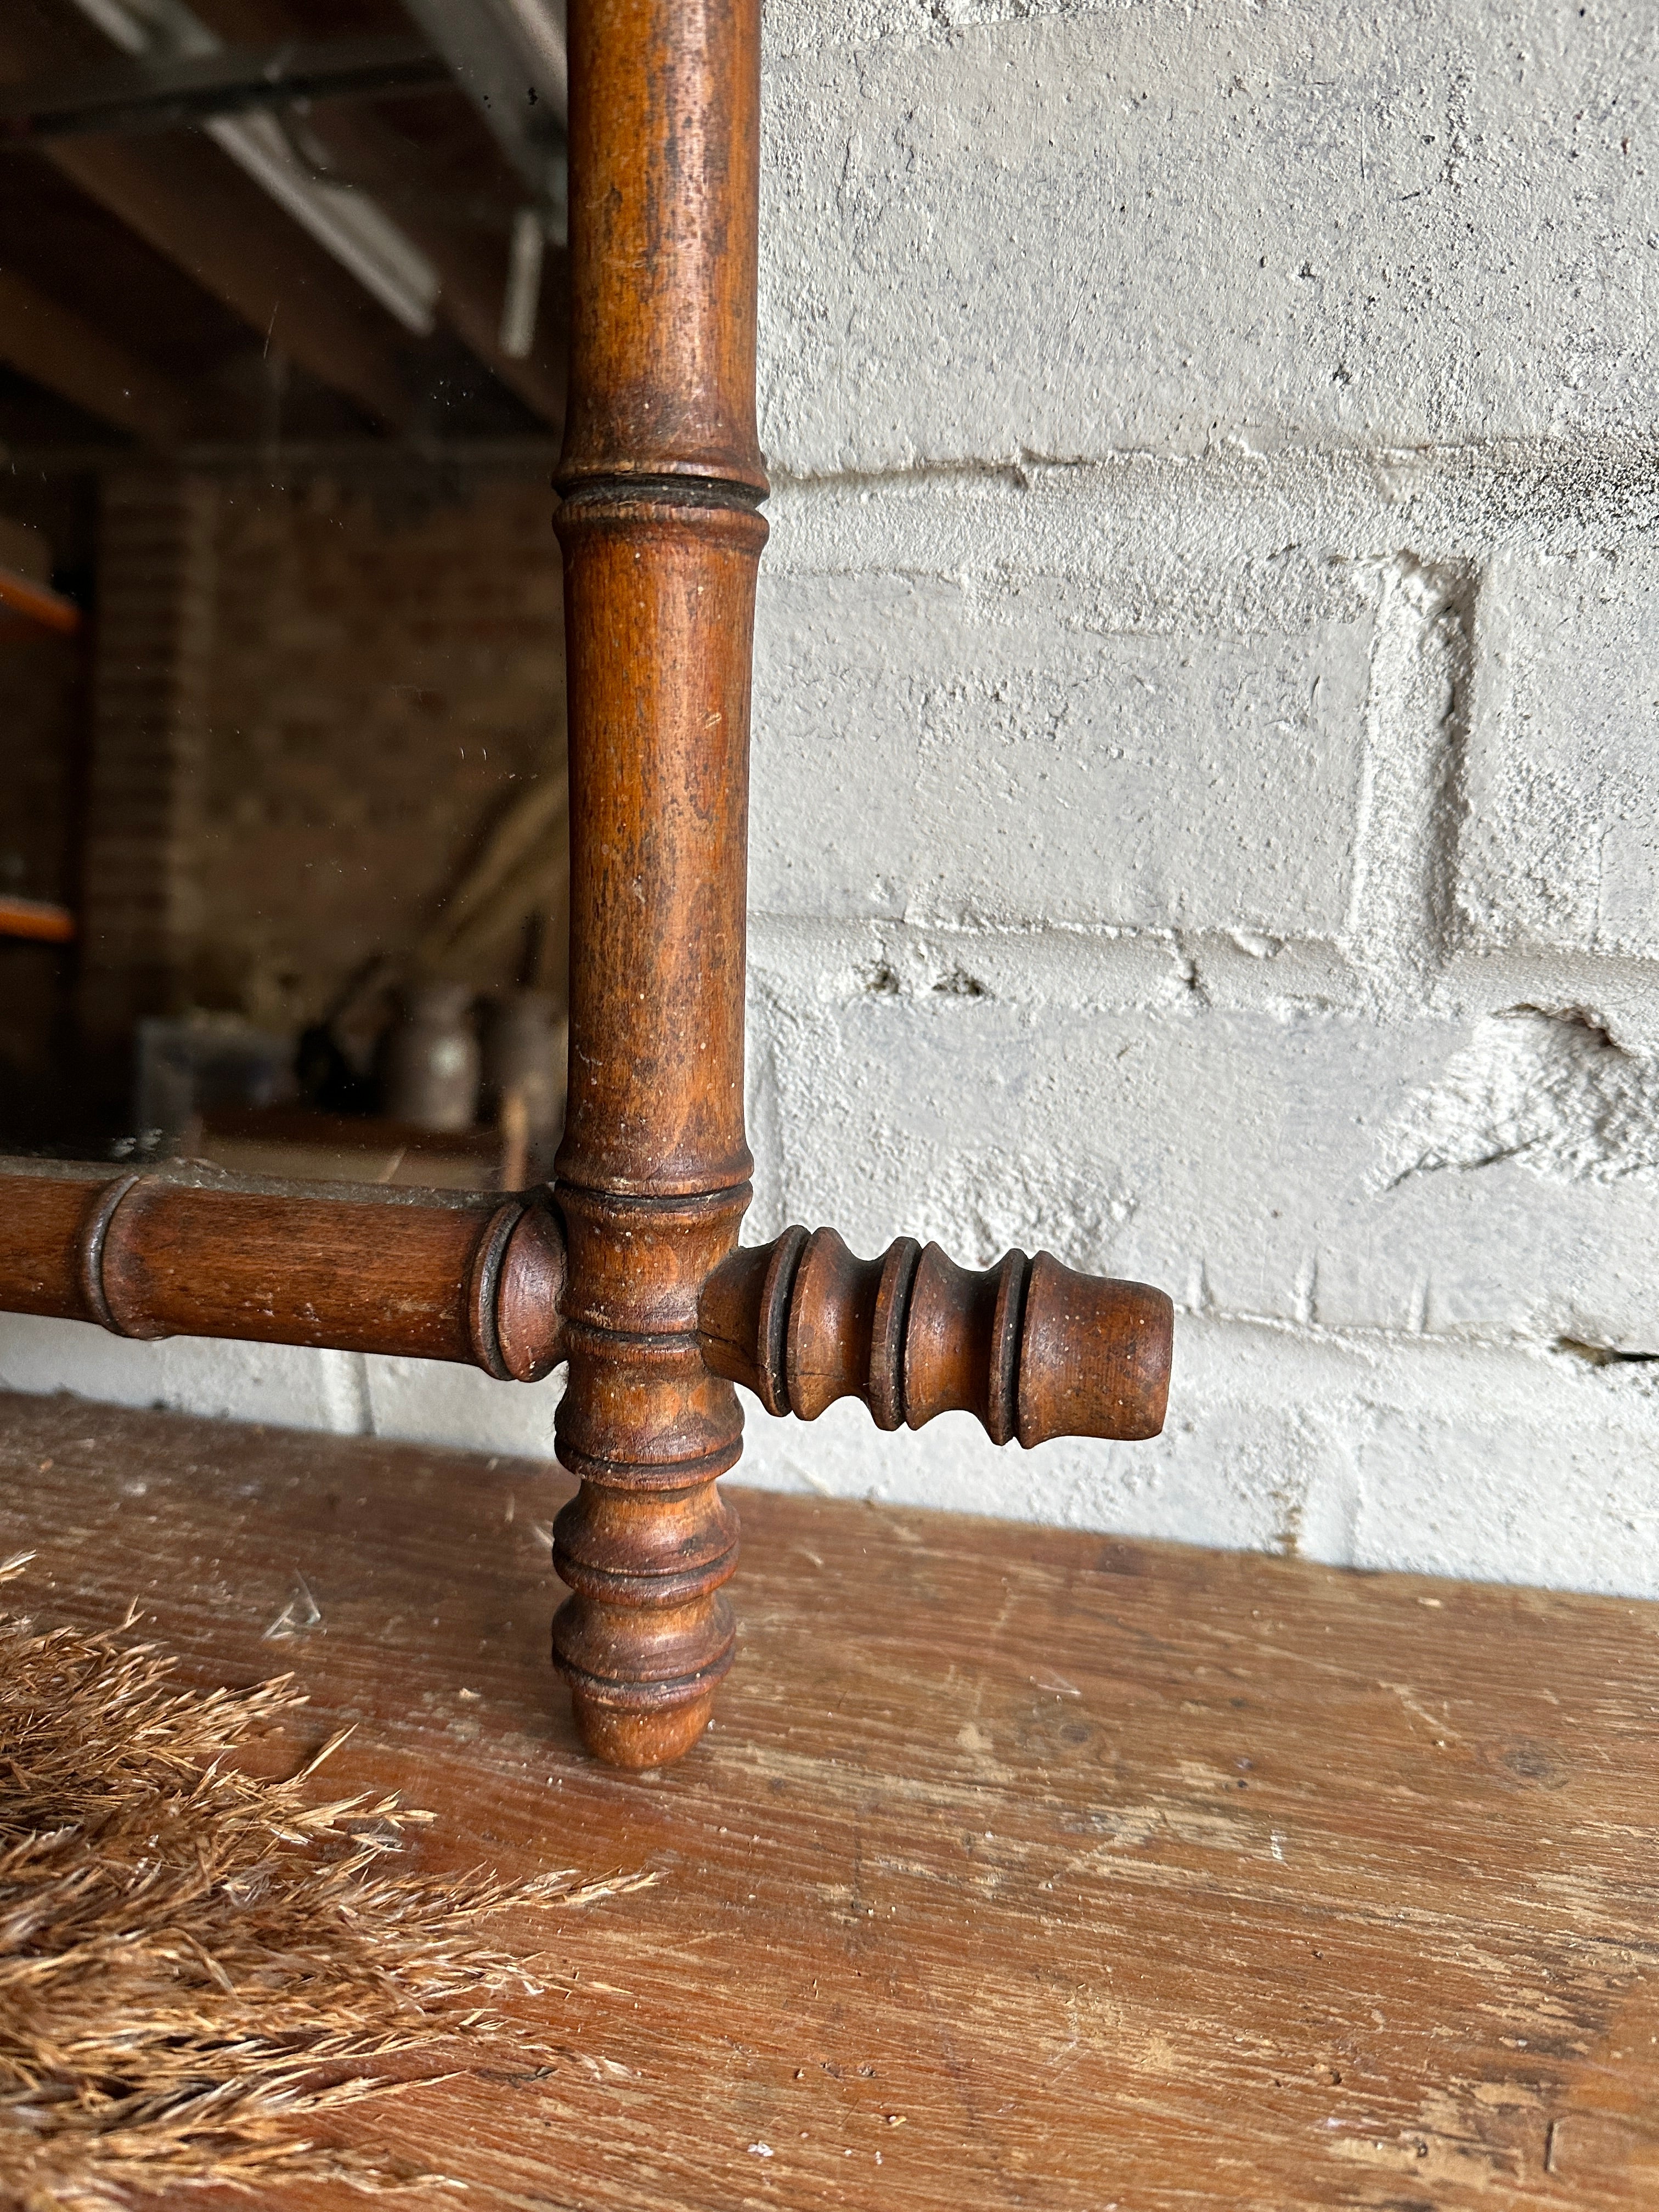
[523, 1053]
[432, 1060]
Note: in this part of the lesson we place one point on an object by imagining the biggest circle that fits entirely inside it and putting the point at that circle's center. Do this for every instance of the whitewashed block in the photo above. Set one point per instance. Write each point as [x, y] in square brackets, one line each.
[1561, 849]
[1145, 226]
[1020, 752]
[1470, 1180]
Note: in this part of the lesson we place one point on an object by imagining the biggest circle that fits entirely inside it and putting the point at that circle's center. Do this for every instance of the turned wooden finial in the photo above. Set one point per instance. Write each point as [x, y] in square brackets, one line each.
[1032, 1348]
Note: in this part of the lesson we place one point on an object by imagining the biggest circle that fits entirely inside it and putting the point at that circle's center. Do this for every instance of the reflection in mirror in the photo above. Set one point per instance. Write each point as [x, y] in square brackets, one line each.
[283, 862]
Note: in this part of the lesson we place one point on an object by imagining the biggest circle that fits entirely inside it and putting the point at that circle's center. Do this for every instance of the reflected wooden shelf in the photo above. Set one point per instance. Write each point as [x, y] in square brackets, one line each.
[27, 606]
[39, 921]
[1066, 1872]
[296, 1145]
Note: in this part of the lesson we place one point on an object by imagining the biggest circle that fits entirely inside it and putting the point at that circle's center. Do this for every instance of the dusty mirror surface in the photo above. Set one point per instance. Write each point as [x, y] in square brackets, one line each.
[282, 863]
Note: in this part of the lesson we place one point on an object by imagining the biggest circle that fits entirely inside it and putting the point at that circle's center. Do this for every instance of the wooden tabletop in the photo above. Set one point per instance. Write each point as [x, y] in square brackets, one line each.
[1022, 1868]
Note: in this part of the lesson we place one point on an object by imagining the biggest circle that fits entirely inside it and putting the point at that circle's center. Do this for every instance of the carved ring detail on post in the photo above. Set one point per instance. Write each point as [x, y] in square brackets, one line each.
[1032, 1348]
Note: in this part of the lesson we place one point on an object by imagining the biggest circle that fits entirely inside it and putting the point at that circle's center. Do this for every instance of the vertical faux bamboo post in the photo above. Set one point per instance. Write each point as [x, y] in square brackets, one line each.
[660, 475]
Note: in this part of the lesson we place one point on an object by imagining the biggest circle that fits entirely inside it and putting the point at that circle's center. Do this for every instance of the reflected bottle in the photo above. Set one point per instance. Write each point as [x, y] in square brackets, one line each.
[432, 1059]
[524, 1055]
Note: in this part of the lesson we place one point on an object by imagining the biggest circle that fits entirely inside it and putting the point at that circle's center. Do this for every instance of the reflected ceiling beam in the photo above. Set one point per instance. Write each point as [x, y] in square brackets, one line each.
[182, 199]
[509, 57]
[160, 93]
[176, 195]
[61, 351]
[471, 268]
[473, 264]
[346, 224]
[182, 202]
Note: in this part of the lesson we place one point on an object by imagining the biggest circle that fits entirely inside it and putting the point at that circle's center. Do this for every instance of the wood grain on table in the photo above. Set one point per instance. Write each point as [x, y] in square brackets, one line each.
[1021, 1866]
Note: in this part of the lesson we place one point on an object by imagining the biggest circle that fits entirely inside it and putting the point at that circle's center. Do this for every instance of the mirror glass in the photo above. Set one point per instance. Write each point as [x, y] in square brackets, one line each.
[283, 866]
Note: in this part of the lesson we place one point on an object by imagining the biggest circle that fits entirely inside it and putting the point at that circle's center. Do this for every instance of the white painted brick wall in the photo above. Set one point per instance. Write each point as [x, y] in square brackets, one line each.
[1208, 713]
[1079, 230]
[1208, 717]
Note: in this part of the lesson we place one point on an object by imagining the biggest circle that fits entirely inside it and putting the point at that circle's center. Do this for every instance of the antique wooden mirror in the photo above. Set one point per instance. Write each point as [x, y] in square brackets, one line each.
[627, 1266]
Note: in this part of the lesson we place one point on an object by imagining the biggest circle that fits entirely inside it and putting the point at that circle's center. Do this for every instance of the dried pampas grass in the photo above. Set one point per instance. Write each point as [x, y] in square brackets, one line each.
[197, 1967]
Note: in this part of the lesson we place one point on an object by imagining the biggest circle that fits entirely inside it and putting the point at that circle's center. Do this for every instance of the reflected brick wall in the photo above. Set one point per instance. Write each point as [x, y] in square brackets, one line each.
[387, 675]
[297, 713]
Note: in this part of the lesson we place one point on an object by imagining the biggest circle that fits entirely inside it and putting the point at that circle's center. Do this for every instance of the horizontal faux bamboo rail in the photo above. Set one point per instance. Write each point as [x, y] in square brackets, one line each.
[515, 1284]
[430, 1275]
[1030, 1348]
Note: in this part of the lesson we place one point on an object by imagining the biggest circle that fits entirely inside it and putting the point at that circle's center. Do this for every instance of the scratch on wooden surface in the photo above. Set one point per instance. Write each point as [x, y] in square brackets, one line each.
[1128, 1827]
[1226, 1923]
[1434, 2156]
[1443, 1730]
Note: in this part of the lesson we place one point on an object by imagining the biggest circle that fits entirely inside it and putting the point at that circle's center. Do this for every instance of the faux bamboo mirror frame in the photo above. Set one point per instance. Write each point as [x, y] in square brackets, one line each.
[627, 1268]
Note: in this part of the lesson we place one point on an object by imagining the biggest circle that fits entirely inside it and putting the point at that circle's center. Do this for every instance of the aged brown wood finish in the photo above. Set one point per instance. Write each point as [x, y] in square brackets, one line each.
[661, 473]
[1065, 1872]
[1030, 1348]
[476, 1280]
[629, 1270]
